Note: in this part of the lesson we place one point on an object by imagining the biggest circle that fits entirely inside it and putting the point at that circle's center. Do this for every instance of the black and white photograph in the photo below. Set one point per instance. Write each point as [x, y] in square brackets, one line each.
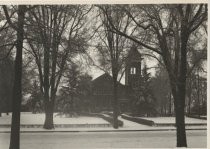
[103, 75]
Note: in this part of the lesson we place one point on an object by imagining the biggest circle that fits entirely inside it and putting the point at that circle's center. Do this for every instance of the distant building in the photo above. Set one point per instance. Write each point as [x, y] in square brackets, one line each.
[103, 94]
[133, 68]
[103, 89]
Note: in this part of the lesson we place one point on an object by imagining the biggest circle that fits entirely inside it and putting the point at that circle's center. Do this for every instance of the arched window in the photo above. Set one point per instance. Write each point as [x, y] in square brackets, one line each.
[133, 70]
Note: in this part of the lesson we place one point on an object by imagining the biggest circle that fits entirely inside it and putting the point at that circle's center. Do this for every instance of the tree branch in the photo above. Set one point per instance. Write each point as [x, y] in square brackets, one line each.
[8, 18]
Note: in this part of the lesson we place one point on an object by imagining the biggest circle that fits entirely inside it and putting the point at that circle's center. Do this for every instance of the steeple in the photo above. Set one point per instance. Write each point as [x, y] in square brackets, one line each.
[133, 68]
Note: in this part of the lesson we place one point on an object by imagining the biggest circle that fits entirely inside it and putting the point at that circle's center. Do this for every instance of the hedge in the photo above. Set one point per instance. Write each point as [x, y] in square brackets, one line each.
[196, 116]
[138, 120]
[106, 117]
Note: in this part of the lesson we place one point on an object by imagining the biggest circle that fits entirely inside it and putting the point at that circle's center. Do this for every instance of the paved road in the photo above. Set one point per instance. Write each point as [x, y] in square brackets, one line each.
[141, 139]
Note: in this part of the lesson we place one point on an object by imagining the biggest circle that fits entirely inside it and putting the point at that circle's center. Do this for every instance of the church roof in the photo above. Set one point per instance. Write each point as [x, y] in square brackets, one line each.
[104, 85]
[104, 78]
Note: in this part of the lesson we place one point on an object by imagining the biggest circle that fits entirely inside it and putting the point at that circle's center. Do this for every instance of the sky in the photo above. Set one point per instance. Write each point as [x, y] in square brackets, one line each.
[96, 72]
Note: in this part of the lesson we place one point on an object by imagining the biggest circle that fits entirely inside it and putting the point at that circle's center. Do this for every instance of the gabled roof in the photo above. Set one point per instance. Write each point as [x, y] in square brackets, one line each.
[104, 85]
[104, 77]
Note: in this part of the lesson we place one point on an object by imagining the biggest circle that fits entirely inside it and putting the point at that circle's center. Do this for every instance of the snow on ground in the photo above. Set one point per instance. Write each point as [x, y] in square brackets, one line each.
[166, 120]
[28, 118]
[136, 126]
[130, 124]
[108, 140]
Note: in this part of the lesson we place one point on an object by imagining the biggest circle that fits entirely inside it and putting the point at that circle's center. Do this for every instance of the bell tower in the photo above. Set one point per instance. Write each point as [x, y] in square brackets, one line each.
[133, 68]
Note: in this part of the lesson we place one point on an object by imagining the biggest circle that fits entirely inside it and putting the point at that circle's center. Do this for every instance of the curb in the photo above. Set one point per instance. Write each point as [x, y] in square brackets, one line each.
[76, 131]
[102, 125]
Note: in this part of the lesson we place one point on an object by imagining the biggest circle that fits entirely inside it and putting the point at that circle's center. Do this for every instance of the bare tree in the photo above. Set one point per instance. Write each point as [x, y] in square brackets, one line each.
[55, 35]
[169, 28]
[17, 88]
[112, 52]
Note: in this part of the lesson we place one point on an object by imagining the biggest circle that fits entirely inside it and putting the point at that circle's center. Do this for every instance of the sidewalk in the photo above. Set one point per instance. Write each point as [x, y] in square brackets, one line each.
[38, 119]
[106, 129]
[167, 121]
[29, 120]
[128, 126]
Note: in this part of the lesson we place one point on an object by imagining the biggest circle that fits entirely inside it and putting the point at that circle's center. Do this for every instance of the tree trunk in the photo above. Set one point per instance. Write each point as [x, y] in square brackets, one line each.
[189, 103]
[170, 104]
[17, 88]
[48, 124]
[180, 119]
[198, 95]
[181, 90]
[189, 96]
[115, 104]
[178, 91]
